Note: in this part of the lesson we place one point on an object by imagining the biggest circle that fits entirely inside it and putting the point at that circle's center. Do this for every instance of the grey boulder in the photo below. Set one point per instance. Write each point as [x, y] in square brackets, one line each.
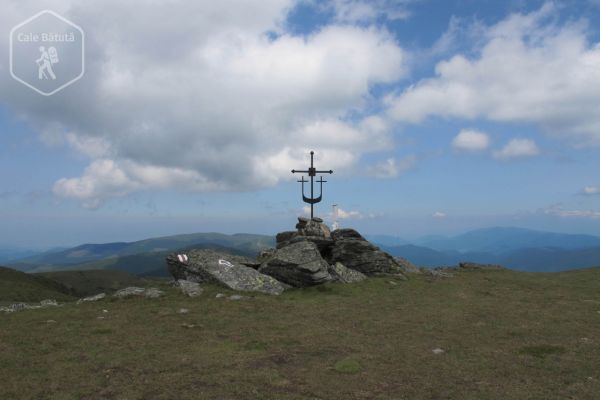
[97, 297]
[191, 289]
[228, 270]
[342, 274]
[132, 291]
[298, 264]
[352, 250]
[314, 227]
[406, 266]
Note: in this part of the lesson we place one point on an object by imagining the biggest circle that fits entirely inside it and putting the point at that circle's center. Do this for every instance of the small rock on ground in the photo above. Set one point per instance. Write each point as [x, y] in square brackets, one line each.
[97, 297]
[149, 293]
[192, 289]
[438, 351]
[183, 311]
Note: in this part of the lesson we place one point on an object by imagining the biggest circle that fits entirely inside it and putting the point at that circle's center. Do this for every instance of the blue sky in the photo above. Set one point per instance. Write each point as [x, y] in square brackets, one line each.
[437, 117]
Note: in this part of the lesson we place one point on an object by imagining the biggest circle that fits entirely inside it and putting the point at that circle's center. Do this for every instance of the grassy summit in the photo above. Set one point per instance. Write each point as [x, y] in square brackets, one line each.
[500, 334]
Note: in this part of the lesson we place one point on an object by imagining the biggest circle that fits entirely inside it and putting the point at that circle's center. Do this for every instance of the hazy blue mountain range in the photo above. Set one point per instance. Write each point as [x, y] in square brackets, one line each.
[387, 240]
[500, 240]
[547, 259]
[13, 253]
[516, 248]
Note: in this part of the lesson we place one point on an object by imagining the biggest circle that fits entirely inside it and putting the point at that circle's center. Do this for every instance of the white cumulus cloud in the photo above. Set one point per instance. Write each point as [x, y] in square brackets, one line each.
[530, 69]
[391, 167]
[196, 95]
[591, 190]
[471, 140]
[517, 148]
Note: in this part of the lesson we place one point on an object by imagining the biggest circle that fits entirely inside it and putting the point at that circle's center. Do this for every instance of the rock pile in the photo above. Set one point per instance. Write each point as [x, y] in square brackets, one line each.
[310, 255]
[313, 254]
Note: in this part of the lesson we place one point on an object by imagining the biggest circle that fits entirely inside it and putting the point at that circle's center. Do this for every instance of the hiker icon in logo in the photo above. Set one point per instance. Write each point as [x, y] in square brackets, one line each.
[47, 59]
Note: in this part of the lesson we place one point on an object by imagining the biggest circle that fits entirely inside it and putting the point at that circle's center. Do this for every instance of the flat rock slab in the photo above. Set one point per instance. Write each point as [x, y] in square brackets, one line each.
[215, 267]
[299, 264]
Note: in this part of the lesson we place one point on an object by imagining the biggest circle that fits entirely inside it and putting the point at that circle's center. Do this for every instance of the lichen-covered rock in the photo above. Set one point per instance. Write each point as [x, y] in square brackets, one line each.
[132, 291]
[191, 289]
[264, 255]
[228, 270]
[342, 274]
[322, 243]
[438, 272]
[346, 233]
[129, 292]
[406, 266]
[153, 293]
[97, 297]
[19, 307]
[285, 236]
[298, 264]
[312, 227]
[356, 253]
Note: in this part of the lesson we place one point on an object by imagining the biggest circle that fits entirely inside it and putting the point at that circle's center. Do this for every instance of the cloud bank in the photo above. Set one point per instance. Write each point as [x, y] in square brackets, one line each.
[203, 96]
[530, 69]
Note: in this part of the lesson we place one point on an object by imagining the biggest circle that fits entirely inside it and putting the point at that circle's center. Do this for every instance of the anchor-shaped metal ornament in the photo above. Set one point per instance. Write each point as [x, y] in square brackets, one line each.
[312, 172]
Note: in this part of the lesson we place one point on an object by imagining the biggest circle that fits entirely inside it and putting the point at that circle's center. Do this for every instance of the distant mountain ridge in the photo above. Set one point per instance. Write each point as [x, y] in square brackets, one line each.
[140, 257]
[517, 248]
[102, 256]
[500, 240]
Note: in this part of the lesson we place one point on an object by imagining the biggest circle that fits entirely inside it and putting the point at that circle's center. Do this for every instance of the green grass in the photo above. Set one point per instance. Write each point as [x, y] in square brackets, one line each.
[505, 335]
[347, 366]
[18, 286]
[542, 350]
[91, 282]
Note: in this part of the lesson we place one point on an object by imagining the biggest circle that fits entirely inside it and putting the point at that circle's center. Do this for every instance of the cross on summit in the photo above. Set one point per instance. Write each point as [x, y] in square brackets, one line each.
[312, 172]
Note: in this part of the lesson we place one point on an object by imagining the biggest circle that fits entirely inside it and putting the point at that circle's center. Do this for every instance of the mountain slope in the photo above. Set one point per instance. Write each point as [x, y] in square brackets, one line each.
[91, 282]
[16, 286]
[143, 264]
[131, 257]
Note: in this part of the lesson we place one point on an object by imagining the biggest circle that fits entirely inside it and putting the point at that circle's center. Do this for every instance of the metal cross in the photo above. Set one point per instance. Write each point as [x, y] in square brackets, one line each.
[312, 172]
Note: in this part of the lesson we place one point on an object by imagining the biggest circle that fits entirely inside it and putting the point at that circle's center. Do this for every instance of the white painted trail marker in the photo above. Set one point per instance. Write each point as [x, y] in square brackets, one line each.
[225, 263]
